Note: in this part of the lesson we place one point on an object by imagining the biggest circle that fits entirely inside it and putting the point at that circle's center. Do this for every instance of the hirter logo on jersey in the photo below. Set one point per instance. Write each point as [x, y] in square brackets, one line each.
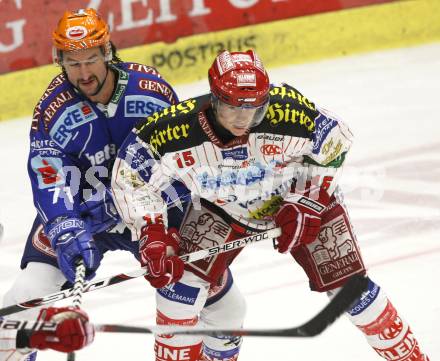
[72, 118]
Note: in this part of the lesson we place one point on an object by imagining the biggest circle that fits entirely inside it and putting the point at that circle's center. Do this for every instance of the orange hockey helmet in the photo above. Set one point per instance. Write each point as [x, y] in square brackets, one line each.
[81, 29]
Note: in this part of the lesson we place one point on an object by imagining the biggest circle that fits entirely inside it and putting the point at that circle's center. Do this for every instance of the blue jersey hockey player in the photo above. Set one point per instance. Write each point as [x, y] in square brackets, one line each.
[78, 125]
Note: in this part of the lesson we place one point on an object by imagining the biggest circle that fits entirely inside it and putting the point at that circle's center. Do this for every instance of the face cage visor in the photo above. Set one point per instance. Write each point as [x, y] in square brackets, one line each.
[237, 114]
[57, 54]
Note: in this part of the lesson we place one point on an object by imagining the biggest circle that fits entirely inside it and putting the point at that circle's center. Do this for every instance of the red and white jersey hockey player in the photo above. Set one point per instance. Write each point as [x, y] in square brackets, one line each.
[254, 156]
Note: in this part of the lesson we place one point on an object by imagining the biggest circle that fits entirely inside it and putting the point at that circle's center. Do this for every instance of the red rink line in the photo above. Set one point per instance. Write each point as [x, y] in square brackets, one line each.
[372, 265]
[148, 318]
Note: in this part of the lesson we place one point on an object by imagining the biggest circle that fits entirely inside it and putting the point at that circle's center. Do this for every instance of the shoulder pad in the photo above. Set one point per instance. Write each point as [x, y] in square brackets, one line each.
[55, 96]
[140, 68]
[173, 123]
[290, 110]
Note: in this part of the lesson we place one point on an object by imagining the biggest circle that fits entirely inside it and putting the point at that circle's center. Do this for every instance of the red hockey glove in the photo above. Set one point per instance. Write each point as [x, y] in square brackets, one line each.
[300, 220]
[74, 331]
[157, 250]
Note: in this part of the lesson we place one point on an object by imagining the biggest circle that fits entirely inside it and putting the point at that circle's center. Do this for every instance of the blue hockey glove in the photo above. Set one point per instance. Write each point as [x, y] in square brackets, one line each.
[71, 241]
[100, 215]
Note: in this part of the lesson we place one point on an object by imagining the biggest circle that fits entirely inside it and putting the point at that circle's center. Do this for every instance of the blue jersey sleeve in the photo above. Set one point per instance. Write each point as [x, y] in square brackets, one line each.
[54, 178]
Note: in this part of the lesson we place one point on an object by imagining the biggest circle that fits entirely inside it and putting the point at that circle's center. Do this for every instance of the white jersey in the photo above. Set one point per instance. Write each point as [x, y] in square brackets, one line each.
[248, 177]
[8, 350]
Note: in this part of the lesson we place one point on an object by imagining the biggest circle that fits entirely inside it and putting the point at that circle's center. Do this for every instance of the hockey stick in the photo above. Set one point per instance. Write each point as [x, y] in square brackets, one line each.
[349, 293]
[122, 277]
[78, 288]
[343, 300]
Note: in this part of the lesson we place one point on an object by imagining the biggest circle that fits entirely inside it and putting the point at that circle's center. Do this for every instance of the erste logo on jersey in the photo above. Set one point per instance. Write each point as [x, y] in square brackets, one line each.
[142, 105]
[73, 117]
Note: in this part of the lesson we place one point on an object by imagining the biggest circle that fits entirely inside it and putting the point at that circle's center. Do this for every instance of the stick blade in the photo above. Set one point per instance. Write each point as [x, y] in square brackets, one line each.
[345, 298]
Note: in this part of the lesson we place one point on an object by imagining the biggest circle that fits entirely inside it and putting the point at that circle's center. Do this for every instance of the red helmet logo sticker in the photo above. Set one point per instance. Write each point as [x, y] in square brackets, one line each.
[242, 57]
[76, 32]
[247, 79]
[271, 149]
[224, 63]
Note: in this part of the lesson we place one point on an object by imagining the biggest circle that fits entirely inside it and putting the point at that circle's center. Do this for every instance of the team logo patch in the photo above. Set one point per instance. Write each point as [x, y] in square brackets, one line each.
[271, 149]
[179, 292]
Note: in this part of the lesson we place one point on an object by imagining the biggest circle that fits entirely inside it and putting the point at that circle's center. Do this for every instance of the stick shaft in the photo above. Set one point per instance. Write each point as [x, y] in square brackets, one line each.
[122, 277]
[349, 293]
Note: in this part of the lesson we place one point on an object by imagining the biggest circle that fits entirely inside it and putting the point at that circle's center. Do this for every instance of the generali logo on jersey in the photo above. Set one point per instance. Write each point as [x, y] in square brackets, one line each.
[271, 149]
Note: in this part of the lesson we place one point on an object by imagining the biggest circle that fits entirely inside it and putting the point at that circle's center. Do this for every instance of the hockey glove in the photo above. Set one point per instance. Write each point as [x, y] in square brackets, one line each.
[299, 217]
[71, 241]
[157, 250]
[73, 332]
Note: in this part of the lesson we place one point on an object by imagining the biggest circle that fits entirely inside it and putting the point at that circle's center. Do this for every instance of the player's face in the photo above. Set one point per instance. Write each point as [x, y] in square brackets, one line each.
[86, 70]
[235, 119]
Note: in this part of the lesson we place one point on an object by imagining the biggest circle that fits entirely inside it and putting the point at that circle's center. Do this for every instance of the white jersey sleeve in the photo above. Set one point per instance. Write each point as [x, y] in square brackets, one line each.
[137, 184]
[331, 141]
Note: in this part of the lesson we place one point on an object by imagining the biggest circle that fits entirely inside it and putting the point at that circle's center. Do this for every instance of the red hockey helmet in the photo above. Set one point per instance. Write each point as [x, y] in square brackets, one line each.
[81, 29]
[239, 79]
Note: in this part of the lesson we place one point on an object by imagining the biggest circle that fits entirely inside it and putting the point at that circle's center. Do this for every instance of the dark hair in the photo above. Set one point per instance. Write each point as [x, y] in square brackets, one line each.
[116, 59]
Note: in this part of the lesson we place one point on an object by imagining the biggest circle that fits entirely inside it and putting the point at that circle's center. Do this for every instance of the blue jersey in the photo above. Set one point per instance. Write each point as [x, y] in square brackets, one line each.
[73, 141]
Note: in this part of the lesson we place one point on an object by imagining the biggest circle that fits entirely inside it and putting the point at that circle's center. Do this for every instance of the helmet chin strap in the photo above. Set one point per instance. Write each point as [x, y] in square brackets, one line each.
[97, 90]
[102, 84]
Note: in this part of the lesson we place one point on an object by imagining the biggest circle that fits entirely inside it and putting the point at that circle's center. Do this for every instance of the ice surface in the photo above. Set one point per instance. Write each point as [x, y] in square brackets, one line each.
[392, 176]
